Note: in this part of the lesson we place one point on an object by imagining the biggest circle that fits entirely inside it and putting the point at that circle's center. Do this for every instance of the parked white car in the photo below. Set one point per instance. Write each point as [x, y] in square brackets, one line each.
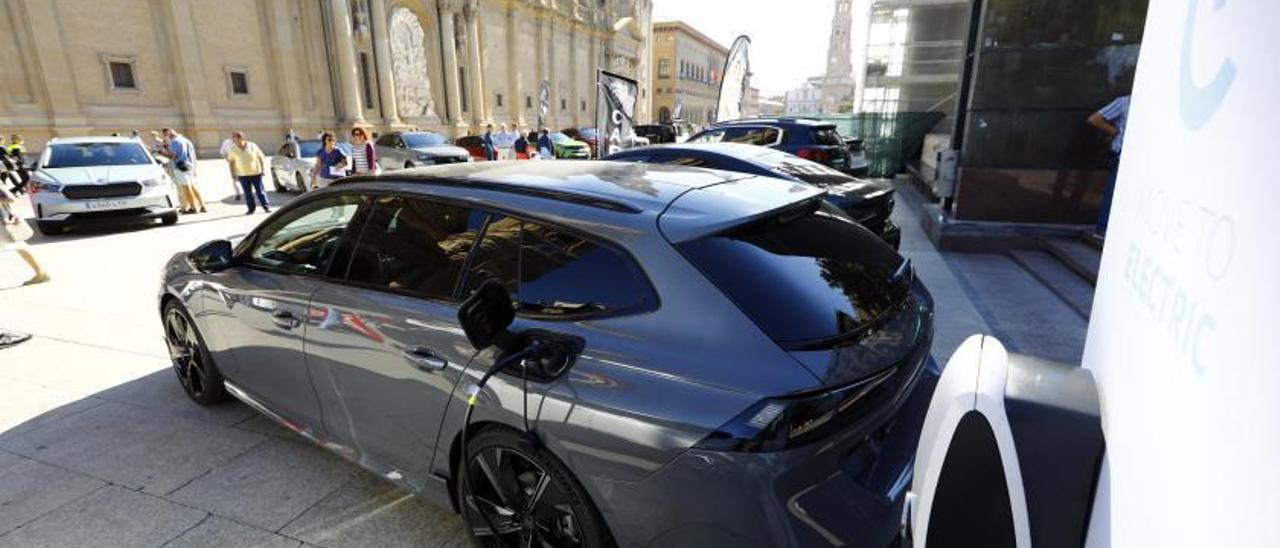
[291, 166]
[100, 180]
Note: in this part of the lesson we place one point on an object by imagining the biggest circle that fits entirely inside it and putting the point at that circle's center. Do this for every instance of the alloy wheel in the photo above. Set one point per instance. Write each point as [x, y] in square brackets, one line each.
[185, 351]
[513, 501]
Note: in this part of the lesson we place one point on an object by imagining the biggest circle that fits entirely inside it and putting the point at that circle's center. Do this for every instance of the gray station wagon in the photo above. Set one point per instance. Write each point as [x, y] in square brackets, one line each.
[739, 362]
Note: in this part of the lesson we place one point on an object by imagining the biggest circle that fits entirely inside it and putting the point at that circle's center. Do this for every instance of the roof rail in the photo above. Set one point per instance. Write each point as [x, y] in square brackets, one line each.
[496, 186]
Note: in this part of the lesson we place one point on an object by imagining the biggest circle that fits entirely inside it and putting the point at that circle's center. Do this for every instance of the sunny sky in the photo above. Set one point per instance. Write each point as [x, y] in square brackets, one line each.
[788, 37]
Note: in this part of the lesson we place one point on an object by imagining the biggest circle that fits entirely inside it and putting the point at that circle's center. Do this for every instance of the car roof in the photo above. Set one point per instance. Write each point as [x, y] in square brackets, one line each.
[83, 140]
[799, 121]
[621, 186]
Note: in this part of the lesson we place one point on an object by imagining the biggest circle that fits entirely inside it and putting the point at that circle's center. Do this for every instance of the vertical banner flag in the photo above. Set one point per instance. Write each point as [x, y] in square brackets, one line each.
[737, 76]
[615, 112]
[678, 112]
[544, 103]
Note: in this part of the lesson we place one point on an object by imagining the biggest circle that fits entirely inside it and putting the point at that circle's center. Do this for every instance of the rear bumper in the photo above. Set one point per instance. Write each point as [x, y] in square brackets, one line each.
[846, 492]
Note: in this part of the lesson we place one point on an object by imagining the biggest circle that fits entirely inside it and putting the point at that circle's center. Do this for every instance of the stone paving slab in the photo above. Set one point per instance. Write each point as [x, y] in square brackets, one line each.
[368, 511]
[30, 489]
[269, 485]
[162, 393]
[26, 405]
[111, 516]
[216, 532]
[133, 447]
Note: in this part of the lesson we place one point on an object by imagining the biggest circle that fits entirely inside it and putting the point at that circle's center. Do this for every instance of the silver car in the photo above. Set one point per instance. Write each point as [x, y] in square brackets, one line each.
[675, 356]
[406, 149]
[292, 164]
[99, 180]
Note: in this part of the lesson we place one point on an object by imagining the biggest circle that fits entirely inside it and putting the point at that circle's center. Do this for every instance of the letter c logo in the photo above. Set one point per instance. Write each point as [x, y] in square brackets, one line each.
[1200, 103]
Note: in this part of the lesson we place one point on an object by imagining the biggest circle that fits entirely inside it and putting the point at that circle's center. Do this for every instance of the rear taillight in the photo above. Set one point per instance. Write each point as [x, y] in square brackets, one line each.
[776, 424]
[814, 155]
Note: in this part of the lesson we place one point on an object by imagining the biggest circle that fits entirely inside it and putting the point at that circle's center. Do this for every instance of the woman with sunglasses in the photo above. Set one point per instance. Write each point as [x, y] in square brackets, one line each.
[331, 163]
[364, 156]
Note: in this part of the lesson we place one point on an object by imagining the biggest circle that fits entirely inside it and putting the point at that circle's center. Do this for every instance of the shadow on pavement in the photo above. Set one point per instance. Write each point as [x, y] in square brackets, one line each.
[140, 464]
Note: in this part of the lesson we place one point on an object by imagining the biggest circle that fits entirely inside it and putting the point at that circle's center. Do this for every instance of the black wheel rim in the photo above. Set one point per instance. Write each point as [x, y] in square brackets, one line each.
[513, 501]
[184, 350]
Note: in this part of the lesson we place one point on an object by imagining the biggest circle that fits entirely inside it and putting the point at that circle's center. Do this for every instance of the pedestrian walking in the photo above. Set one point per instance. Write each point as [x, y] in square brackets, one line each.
[505, 140]
[14, 232]
[546, 149]
[486, 142]
[364, 156]
[183, 156]
[521, 147]
[331, 163]
[248, 164]
[223, 150]
[1111, 120]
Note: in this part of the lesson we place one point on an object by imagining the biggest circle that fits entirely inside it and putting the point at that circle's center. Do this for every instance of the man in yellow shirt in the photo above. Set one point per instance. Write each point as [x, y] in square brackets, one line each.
[248, 164]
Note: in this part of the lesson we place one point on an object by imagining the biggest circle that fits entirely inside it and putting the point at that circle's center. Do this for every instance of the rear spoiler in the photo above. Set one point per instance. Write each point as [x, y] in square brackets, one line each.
[713, 209]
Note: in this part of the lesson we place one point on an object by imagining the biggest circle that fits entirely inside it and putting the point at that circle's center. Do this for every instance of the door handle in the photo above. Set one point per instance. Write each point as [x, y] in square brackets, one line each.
[284, 319]
[425, 359]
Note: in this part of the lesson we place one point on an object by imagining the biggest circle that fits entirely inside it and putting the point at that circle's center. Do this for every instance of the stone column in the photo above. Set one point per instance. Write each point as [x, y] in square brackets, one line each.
[476, 78]
[514, 87]
[52, 71]
[348, 77]
[449, 44]
[382, 60]
[574, 77]
[284, 64]
[193, 98]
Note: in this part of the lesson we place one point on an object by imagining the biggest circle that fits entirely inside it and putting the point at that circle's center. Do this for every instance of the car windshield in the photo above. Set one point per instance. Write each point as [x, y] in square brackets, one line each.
[96, 154]
[417, 140]
[588, 132]
[806, 276]
[560, 137]
[810, 172]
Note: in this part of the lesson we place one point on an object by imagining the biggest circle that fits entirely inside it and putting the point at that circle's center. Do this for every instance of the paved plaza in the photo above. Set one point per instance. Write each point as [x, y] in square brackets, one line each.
[100, 447]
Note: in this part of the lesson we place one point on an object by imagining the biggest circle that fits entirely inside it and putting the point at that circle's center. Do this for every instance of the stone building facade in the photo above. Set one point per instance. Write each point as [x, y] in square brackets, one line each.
[94, 67]
[687, 67]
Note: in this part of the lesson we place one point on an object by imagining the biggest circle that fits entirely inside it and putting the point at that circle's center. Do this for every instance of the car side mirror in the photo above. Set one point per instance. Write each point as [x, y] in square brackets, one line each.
[486, 315]
[212, 256]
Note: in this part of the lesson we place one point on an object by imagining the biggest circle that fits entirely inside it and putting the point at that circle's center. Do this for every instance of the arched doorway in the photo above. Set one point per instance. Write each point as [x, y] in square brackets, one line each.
[664, 115]
[409, 65]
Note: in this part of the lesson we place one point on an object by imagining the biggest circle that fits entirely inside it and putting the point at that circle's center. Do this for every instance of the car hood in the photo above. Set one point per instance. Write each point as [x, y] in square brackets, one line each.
[571, 144]
[99, 175]
[441, 150]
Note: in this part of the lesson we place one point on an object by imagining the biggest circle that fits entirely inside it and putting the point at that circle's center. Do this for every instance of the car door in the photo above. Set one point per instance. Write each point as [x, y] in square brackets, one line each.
[258, 312]
[389, 349]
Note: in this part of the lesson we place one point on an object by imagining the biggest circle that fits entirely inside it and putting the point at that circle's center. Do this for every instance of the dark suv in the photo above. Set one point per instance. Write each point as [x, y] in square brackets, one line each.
[813, 140]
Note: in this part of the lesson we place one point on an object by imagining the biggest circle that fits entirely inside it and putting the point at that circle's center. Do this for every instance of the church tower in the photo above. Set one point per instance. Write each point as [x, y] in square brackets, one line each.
[838, 83]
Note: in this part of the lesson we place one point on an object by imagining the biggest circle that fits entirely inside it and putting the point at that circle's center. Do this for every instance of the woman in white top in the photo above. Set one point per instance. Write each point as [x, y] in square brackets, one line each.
[9, 217]
[364, 156]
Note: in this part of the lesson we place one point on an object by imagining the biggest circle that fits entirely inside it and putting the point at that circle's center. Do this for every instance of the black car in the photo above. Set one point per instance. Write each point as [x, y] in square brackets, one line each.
[657, 133]
[868, 202]
[813, 140]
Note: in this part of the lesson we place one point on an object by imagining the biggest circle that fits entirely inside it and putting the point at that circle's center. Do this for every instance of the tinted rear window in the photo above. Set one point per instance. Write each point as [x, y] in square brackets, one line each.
[810, 172]
[804, 277]
[827, 136]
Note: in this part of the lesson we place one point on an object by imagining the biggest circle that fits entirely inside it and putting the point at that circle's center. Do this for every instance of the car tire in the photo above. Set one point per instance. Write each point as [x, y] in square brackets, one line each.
[198, 375]
[408, 164]
[169, 219]
[275, 181]
[51, 228]
[563, 515]
[302, 184]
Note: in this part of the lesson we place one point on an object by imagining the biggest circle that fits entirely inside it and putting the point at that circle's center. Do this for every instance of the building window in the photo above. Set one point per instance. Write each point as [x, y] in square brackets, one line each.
[584, 106]
[120, 75]
[563, 105]
[664, 68]
[366, 79]
[528, 101]
[499, 100]
[239, 82]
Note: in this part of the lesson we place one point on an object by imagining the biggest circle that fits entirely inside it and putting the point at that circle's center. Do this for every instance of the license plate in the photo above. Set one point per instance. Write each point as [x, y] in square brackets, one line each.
[107, 204]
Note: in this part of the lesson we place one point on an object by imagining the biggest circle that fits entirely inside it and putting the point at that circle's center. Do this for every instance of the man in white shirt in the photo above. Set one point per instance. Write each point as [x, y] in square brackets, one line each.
[504, 141]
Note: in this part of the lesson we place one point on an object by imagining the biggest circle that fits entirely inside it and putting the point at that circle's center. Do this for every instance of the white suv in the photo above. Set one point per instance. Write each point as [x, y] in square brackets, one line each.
[97, 180]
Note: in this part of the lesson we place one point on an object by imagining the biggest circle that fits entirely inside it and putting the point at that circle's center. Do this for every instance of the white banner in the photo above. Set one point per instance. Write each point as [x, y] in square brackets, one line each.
[1185, 334]
[615, 112]
[734, 81]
